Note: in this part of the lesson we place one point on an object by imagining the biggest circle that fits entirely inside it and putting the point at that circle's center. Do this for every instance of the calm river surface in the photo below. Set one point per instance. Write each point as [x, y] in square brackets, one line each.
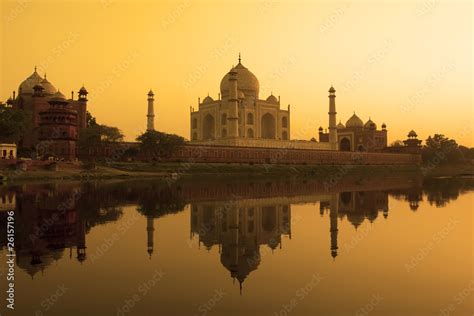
[251, 247]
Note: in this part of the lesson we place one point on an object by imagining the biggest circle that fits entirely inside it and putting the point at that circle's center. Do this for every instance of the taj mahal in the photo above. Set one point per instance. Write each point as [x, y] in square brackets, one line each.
[240, 117]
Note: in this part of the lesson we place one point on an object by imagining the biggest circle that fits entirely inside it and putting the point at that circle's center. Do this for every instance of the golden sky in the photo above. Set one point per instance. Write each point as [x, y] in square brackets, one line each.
[405, 63]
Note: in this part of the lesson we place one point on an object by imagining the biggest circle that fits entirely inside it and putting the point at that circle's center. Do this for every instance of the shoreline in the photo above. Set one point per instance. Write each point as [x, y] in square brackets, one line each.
[139, 170]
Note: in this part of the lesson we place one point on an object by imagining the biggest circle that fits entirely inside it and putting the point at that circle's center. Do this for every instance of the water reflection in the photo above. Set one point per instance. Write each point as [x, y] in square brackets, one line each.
[53, 221]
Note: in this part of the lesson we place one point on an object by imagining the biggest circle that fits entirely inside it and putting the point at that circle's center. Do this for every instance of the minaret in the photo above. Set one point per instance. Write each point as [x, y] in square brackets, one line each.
[150, 126]
[149, 230]
[233, 117]
[332, 119]
[82, 99]
[333, 210]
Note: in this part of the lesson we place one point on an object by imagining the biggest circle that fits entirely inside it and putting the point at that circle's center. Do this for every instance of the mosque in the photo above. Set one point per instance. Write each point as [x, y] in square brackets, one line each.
[55, 120]
[239, 117]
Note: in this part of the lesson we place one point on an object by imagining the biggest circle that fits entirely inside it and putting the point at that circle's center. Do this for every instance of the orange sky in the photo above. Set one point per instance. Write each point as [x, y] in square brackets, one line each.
[405, 63]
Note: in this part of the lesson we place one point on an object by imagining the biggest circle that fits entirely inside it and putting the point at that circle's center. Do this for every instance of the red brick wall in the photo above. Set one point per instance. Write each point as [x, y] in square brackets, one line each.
[224, 154]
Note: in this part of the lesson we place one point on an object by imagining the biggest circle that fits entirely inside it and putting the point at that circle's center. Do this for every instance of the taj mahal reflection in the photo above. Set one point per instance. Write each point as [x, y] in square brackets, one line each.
[53, 221]
[239, 229]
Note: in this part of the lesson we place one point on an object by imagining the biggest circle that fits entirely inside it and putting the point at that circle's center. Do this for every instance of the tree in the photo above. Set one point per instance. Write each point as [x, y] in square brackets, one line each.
[13, 124]
[397, 143]
[91, 121]
[159, 145]
[94, 135]
[468, 153]
[442, 149]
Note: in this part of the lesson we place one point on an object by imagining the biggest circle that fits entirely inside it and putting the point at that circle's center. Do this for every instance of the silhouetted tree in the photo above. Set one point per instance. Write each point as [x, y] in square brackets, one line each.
[13, 124]
[442, 149]
[397, 143]
[91, 121]
[468, 153]
[94, 135]
[159, 145]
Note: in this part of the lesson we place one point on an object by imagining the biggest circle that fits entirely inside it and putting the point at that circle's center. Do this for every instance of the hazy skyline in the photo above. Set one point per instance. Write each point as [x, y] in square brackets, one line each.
[405, 63]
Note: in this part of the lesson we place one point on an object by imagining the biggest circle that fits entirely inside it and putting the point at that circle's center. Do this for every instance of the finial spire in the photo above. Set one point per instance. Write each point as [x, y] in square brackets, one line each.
[239, 58]
[35, 68]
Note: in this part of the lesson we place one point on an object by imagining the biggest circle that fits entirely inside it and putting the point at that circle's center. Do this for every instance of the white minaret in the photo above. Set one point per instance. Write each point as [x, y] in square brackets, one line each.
[233, 117]
[150, 126]
[332, 119]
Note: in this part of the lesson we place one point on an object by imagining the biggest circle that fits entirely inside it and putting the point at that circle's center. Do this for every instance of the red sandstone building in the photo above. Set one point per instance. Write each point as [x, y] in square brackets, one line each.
[55, 120]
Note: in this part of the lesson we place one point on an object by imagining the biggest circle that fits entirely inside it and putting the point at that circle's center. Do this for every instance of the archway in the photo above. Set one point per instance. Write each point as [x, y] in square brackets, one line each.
[224, 119]
[269, 218]
[346, 198]
[345, 145]
[268, 126]
[195, 136]
[250, 133]
[208, 127]
[250, 119]
[284, 135]
[224, 133]
[284, 122]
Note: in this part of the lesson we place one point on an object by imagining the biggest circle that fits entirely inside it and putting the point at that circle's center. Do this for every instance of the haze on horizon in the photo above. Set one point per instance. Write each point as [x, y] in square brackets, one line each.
[405, 63]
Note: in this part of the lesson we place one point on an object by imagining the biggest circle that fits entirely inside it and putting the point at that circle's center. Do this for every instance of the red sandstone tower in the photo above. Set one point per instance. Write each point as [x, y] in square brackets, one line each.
[58, 129]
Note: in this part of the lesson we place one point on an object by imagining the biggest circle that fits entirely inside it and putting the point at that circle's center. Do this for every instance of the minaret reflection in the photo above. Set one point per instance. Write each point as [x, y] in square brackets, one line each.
[333, 211]
[150, 232]
[239, 229]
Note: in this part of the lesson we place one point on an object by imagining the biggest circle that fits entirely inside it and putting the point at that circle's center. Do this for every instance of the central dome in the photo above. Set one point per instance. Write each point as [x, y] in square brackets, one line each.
[246, 82]
[27, 85]
[354, 121]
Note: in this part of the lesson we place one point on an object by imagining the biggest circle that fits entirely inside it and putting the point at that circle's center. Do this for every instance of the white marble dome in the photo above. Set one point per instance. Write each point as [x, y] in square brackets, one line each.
[247, 82]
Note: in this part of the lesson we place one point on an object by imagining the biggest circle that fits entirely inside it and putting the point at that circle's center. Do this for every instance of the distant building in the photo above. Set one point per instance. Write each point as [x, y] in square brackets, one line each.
[357, 136]
[56, 120]
[8, 151]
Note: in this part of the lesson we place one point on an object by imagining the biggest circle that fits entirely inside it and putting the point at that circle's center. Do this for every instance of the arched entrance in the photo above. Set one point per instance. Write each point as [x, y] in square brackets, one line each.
[208, 127]
[269, 218]
[345, 145]
[268, 126]
[250, 133]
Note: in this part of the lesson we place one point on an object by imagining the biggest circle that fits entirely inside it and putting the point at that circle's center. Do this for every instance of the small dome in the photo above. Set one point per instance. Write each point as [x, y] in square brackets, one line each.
[320, 129]
[48, 87]
[412, 133]
[84, 90]
[58, 97]
[208, 99]
[354, 121]
[246, 81]
[384, 126]
[272, 99]
[340, 125]
[370, 124]
[332, 90]
[27, 85]
[150, 93]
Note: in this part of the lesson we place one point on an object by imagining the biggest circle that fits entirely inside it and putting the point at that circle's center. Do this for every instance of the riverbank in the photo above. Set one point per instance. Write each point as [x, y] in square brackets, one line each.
[138, 170]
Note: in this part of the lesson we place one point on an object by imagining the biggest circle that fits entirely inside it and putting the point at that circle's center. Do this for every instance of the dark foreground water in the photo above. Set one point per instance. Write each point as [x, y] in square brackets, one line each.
[355, 247]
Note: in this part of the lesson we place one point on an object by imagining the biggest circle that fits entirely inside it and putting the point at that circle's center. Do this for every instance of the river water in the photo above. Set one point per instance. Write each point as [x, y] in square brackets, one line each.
[391, 246]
